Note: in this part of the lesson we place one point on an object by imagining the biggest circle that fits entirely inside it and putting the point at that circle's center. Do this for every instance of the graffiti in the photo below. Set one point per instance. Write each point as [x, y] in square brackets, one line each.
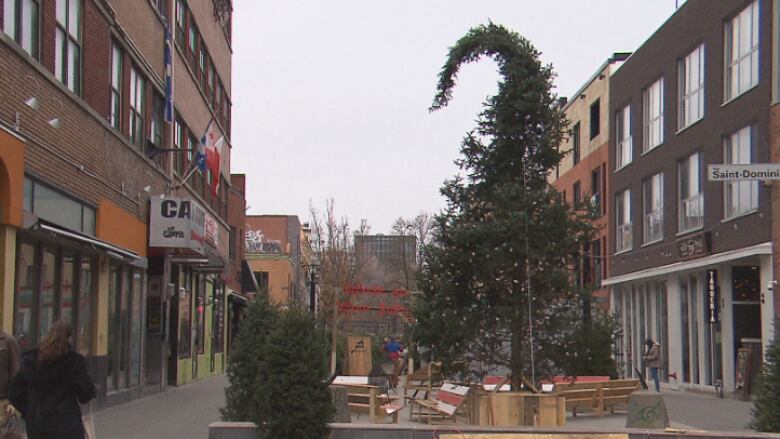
[256, 243]
[650, 413]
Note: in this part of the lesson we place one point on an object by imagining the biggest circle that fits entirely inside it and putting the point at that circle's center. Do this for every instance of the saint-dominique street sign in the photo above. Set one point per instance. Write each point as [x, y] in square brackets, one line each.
[754, 171]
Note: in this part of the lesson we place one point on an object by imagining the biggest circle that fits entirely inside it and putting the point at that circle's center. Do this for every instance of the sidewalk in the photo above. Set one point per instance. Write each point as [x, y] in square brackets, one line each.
[180, 412]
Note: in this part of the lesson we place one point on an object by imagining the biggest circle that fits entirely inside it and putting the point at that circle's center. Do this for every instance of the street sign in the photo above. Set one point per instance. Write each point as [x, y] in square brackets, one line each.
[753, 171]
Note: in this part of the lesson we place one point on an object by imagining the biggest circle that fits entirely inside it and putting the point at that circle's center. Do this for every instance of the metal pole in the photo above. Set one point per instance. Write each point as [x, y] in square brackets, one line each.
[528, 269]
[312, 299]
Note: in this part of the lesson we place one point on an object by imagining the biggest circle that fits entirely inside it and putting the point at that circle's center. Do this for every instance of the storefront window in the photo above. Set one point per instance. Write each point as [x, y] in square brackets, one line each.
[84, 327]
[684, 339]
[185, 315]
[66, 291]
[201, 310]
[629, 331]
[218, 318]
[135, 330]
[24, 297]
[113, 324]
[47, 306]
[663, 329]
[124, 346]
[694, 302]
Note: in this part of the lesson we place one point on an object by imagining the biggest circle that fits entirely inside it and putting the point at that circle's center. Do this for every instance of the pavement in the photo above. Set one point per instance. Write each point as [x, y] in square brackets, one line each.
[179, 412]
[186, 412]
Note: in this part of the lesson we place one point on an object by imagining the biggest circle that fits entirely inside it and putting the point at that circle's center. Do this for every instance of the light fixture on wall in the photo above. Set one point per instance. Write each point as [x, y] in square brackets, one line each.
[55, 121]
[33, 103]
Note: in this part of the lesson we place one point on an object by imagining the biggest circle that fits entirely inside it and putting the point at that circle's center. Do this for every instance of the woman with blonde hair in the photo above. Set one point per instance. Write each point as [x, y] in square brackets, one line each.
[51, 382]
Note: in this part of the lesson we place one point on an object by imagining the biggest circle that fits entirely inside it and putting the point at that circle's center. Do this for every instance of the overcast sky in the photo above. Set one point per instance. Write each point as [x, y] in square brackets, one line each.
[330, 98]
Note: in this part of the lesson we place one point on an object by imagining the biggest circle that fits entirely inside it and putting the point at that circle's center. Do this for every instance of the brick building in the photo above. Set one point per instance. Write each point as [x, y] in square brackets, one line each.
[89, 176]
[273, 252]
[582, 174]
[691, 259]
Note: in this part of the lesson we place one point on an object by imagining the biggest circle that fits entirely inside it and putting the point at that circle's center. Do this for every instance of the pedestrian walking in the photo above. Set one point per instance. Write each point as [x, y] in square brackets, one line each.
[51, 382]
[653, 359]
[9, 366]
[394, 349]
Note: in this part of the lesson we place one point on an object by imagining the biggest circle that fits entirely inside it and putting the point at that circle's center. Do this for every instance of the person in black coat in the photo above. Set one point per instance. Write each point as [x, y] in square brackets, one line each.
[51, 383]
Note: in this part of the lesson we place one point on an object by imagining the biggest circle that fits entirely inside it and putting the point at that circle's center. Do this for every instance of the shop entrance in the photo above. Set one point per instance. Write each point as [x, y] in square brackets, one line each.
[746, 300]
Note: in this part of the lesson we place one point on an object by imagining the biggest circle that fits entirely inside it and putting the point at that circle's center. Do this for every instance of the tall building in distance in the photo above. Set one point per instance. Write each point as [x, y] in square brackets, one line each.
[97, 223]
[389, 261]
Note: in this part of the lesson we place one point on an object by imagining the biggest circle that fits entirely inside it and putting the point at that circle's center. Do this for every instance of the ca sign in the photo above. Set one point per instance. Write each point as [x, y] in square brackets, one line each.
[176, 223]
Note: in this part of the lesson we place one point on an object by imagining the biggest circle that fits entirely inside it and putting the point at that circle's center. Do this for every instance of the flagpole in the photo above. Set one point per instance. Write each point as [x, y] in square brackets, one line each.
[170, 109]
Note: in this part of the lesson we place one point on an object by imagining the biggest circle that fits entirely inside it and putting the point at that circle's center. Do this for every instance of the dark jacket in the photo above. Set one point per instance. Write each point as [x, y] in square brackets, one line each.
[48, 395]
[9, 361]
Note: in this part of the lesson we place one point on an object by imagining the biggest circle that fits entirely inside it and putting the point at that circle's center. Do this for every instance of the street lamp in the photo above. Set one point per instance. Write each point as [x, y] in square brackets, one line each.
[312, 287]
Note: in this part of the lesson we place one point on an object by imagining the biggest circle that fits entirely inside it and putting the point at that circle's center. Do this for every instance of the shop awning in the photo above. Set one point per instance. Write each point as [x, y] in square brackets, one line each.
[111, 250]
[718, 258]
[248, 280]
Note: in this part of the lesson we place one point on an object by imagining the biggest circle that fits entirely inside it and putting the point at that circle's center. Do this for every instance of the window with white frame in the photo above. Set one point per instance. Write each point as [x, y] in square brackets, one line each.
[741, 46]
[691, 83]
[115, 116]
[137, 105]
[653, 115]
[20, 22]
[67, 53]
[741, 196]
[624, 238]
[623, 134]
[691, 197]
[653, 208]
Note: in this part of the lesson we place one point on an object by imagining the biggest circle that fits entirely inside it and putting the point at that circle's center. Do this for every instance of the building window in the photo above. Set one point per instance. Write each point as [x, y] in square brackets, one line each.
[653, 115]
[115, 116]
[193, 43]
[653, 202]
[137, 105]
[575, 142]
[741, 45]
[691, 84]
[623, 133]
[576, 193]
[741, 196]
[200, 300]
[595, 190]
[595, 119]
[67, 54]
[624, 238]
[181, 22]
[178, 156]
[20, 22]
[691, 198]
[53, 206]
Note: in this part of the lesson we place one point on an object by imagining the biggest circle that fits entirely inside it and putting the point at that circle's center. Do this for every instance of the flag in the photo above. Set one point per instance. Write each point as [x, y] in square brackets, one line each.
[168, 75]
[208, 154]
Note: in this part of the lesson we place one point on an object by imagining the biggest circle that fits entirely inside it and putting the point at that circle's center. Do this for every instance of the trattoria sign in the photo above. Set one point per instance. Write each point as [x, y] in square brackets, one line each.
[176, 223]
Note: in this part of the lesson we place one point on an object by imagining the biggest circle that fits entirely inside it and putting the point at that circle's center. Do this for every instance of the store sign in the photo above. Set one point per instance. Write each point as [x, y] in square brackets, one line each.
[754, 171]
[211, 230]
[176, 223]
[712, 294]
[694, 246]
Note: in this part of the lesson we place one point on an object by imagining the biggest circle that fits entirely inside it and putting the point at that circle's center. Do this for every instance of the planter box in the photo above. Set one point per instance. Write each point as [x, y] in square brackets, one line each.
[506, 409]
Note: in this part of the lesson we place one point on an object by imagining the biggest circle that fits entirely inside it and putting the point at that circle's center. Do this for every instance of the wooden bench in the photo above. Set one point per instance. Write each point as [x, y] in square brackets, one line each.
[450, 399]
[423, 379]
[596, 396]
[365, 398]
[616, 392]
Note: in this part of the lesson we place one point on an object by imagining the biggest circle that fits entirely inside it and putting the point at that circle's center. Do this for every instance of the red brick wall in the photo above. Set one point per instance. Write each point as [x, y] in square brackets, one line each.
[237, 219]
[48, 26]
[96, 52]
[83, 157]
